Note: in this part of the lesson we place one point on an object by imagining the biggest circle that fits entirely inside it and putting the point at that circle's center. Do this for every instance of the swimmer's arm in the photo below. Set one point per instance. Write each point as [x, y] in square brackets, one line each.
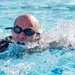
[42, 48]
[3, 46]
[53, 44]
[4, 43]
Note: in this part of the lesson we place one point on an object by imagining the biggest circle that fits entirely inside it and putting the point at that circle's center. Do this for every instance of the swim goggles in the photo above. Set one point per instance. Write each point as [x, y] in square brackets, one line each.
[27, 31]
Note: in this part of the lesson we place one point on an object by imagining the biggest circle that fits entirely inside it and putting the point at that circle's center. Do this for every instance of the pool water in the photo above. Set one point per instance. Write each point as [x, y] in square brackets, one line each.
[56, 16]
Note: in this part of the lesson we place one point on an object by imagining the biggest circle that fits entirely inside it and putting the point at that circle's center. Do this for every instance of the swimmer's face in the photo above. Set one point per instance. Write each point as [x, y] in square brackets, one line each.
[24, 23]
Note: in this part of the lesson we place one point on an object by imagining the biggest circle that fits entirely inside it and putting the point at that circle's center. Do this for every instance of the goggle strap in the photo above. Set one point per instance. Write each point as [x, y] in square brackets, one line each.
[9, 28]
[37, 32]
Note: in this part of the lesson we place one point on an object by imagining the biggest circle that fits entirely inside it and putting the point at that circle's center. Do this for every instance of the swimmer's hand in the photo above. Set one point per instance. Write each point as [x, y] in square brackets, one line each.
[4, 43]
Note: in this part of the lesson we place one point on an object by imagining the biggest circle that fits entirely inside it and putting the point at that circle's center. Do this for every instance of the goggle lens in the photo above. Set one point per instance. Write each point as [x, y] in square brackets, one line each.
[17, 30]
[29, 31]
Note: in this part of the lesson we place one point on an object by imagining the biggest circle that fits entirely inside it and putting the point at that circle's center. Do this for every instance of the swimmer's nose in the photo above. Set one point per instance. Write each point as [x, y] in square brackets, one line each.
[22, 35]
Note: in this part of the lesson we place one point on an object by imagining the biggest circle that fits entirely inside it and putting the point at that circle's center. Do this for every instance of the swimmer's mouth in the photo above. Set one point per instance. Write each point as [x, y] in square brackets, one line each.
[20, 43]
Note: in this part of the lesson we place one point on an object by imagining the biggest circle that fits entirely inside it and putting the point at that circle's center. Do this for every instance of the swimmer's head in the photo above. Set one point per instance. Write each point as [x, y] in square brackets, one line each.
[26, 28]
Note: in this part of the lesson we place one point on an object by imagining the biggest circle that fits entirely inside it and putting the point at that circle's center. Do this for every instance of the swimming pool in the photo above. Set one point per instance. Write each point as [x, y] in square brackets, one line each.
[52, 15]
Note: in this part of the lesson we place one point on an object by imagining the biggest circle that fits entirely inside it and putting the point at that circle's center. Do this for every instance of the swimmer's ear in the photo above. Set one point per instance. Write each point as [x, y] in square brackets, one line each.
[39, 32]
[38, 35]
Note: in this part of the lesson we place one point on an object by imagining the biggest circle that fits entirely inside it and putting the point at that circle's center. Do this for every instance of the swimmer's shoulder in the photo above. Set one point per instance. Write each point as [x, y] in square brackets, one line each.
[4, 43]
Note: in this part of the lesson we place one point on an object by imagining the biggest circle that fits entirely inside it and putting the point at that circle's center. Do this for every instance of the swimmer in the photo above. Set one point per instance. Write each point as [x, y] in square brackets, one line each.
[26, 29]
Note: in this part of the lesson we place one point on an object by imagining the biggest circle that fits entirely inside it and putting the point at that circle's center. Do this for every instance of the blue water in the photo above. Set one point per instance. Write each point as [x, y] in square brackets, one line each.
[51, 14]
